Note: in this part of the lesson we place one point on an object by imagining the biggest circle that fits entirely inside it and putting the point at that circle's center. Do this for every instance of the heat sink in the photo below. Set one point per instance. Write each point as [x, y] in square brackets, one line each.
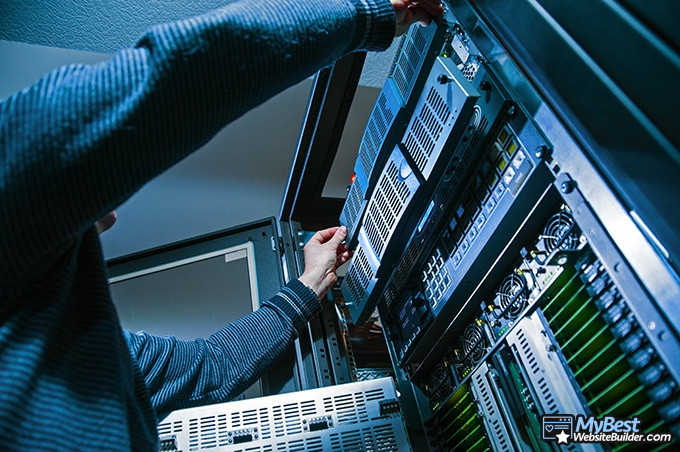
[457, 425]
[607, 354]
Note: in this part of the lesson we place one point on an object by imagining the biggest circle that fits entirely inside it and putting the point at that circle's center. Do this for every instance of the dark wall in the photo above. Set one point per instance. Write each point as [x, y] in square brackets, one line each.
[94, 25]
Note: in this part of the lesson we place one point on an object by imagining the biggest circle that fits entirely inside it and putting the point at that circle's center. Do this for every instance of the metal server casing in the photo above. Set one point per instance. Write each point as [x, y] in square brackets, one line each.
[351, 417]
[407, 183]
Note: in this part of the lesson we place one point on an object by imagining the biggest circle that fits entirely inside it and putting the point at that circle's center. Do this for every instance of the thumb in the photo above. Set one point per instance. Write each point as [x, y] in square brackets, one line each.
[339, 236]
[421, 17]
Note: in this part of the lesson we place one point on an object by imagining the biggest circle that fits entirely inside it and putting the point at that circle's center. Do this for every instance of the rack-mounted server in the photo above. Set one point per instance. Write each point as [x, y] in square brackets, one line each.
[522, 281]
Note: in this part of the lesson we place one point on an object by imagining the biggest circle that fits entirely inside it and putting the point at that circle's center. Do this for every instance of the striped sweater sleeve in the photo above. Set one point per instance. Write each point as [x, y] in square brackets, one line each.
[182, 374]
[83, 139]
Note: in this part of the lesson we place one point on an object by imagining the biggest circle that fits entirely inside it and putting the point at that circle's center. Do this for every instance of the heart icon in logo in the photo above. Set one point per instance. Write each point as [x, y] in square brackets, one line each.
[549, 428]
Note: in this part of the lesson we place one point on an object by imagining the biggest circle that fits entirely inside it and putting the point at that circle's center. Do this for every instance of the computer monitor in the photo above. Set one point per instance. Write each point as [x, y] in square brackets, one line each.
[193, 288]
[191, 297]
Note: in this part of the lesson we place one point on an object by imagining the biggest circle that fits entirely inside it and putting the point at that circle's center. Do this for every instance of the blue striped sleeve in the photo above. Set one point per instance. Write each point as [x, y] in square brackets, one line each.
[296, 302]
[182, 374]
[84, 138]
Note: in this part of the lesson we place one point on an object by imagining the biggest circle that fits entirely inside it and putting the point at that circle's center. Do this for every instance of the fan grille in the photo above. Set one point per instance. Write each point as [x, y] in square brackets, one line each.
[473, 342]
[440, 383]
[512, 295]
[561, 232]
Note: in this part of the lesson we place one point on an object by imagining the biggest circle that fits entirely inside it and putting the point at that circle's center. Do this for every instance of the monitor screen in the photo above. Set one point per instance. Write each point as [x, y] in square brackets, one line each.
[188, 298]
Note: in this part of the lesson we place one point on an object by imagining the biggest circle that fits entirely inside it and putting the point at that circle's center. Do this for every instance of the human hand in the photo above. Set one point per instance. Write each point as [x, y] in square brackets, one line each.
[324, 253]
[411, 11]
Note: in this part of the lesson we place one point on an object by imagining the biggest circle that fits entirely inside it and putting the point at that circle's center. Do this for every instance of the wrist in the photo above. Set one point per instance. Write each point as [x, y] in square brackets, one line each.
[296, 302]
[311, 283]
[375, 24]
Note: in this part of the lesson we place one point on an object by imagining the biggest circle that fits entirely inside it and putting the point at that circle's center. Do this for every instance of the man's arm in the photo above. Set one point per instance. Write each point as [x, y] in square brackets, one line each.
[84, 138]
[181, 374]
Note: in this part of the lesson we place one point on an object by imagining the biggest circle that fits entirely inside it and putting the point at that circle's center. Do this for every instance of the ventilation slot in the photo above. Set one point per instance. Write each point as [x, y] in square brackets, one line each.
[390, 296]
[486, 397]
[375, 394]
[313, 445]
[167, 428]
[419, 40]
[405, 70]
[527, 352]
[366, 158]
[469, 70]
[384, 438]
[287, 419]
[308, 408]
[353, 284]
[264, 424]
[427, 128]
[350, 408]
[292, 419]
[402, 272]
[379, 438]
[351, 211]
[547, 395]
[385, 208]
[375, 133]
[478, 124]
[359, 275]
[203, 433]
[244, 419]
[435, 277]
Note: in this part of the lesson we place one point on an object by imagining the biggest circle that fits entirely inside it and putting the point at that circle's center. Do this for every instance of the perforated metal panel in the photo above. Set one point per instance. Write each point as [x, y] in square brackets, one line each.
[427, 127]
[353, 210]
[379, 123]
[360, 279]
[436, 277]
[398, 205]
[359, 275]
[470, 68]
[411, 58]
[396, 188]
[392, 110]
[391, 113]
[553, 387]
[448, 97]
[352, 417]
[464, 151]
[497, 431]
[401, 273]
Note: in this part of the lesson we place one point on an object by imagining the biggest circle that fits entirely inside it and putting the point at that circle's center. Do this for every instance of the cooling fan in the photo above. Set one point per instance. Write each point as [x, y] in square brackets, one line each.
[474, 343]
[512, 296]
[440, 385]
[471, 347]
[561, 232]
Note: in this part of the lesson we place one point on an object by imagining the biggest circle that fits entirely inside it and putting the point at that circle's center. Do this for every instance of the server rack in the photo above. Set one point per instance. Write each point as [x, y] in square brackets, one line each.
[513, 224]
[537, 274]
